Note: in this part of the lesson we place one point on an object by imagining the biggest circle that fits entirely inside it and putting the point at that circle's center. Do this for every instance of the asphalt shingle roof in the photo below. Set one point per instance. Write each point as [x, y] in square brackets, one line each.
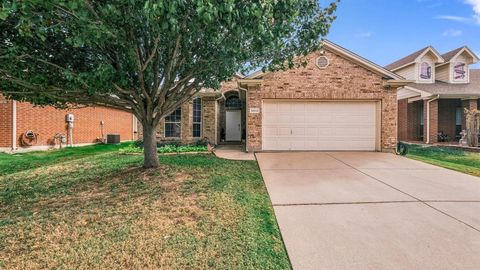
[442, 88]
[406, 60]
[449, 55]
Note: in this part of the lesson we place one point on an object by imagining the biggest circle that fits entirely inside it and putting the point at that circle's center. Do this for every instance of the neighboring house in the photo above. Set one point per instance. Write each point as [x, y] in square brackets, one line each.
[90, 125]
[431, 108]
[339, 101]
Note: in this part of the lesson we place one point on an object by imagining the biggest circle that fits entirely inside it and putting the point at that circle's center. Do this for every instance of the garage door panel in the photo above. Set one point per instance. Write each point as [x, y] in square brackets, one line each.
[284, 131]
[312, 132]
[300, 125]
[298, 131]
[355, 132]
[318, 117]
[354, 119]
[270, 132]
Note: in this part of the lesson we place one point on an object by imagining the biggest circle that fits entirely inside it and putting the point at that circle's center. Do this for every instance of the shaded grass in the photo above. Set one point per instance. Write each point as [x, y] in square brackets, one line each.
[104, 211]
[23, 161]
[458, 160]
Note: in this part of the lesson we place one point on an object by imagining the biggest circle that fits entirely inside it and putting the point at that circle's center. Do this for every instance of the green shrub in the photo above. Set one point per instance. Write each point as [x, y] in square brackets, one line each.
[201, 142]
[130, 149]
[182, 148]
[134, 148]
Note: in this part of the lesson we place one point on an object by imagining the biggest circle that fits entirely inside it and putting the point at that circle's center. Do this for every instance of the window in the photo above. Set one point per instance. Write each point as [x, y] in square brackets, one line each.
[459, 72]
[425, 71]
[421, 118]
[173, 124]
[233, 102]
[458, 116]
[458, 121]
[197, 118]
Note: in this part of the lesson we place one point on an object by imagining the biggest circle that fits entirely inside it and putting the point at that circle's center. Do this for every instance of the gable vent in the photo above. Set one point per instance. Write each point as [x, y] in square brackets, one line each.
[322, 62]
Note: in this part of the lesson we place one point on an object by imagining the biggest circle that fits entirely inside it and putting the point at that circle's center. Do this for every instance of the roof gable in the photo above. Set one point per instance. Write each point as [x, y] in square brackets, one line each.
[451, 55]
[414, 57]
[351, 56]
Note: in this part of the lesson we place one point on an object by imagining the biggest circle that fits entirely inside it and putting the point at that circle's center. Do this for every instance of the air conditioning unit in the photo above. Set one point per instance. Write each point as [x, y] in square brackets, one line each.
[113, 138]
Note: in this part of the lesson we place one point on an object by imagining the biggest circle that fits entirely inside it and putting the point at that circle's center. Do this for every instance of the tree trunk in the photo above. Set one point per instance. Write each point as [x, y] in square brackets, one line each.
[150, 147]
[472, 125]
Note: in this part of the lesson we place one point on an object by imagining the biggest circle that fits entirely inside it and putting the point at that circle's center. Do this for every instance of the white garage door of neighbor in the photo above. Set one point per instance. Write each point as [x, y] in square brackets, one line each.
[319, 125]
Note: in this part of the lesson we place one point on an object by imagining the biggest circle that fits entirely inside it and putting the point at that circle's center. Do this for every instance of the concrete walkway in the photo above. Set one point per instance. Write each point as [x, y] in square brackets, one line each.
[233, 152]
[373, 211]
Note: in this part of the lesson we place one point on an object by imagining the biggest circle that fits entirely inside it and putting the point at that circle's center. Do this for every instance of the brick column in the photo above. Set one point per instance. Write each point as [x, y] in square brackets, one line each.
[209, 119]
[433, 121]
[254, 120]
[467, 104]
[186, 122]
[403, 119]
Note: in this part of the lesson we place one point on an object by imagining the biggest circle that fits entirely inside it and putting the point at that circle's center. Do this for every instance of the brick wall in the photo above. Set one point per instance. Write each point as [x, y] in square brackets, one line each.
[446, 116]
[48, 121]
[402, 120]
[341, 80]
[433, 121]
[209, 118]
[209, 122]
[409, 120]
[5, 122]
[414, 129]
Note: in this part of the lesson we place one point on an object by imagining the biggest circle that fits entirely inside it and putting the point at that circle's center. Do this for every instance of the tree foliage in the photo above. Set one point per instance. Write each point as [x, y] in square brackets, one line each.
[147, 57]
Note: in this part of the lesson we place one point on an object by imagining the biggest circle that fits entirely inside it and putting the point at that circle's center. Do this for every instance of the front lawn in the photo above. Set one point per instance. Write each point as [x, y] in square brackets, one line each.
[458, 160]
[102, 211]
[22, 161]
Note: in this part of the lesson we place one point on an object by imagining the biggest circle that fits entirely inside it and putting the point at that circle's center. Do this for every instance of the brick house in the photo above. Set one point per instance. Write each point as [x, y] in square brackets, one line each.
[339, 101]
[91, 124]
[431, 107]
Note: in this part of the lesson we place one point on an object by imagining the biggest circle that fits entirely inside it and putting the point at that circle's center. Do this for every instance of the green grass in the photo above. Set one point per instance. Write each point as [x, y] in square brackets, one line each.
[22, 161]
[95, 208]
[458, 160]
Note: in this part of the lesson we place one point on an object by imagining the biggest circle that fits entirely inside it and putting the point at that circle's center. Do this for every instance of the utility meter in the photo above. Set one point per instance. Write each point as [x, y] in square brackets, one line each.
[69, 118]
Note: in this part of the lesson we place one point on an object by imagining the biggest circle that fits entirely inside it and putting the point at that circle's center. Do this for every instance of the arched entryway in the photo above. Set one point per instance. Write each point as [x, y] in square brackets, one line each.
[232, 117]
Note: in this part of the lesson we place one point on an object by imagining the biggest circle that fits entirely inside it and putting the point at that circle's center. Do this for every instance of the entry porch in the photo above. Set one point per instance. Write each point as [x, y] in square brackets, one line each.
[433, 120]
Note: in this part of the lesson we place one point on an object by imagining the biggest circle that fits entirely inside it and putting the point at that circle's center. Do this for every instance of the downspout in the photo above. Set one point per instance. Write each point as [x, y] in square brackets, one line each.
[428, 117]
[14, 126]
[134, 122]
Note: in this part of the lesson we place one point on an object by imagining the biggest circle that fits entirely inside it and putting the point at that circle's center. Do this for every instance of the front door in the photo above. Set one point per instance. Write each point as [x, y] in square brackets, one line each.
[234, 128]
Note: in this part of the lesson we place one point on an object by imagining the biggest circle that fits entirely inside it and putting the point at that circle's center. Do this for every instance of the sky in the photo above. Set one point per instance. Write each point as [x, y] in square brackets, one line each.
[384, 31]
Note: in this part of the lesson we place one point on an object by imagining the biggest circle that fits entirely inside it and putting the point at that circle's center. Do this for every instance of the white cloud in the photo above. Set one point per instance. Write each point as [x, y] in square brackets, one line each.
[453, 18]
[364, 34]
[452, 33]
[476, 8]
[475, 18]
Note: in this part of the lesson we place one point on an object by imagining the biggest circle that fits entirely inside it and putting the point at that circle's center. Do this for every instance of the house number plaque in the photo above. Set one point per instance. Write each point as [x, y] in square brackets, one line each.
[254, 110]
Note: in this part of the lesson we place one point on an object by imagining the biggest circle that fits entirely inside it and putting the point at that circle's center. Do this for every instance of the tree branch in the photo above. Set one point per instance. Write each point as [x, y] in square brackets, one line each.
[152, 53]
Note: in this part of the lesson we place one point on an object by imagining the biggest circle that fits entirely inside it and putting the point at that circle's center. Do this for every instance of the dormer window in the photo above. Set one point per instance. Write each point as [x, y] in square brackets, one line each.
[459, 71]
[425, 71]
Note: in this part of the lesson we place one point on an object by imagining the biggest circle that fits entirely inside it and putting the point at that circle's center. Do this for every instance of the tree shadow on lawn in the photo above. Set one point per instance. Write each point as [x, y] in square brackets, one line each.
[105, 211]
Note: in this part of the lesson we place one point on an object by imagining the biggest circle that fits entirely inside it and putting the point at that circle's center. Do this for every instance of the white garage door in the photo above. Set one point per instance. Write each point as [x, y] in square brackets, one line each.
[326, 125]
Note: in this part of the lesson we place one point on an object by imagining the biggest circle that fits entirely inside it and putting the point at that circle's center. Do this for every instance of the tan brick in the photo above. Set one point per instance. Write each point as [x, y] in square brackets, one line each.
[433, 134]
[341, 80]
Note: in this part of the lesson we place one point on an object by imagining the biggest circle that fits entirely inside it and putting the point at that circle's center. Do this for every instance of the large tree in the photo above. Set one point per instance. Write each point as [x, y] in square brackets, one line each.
[147, 57]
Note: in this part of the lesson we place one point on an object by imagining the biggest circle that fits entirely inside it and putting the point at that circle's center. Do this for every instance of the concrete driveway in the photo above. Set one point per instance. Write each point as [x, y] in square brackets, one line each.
[359, 210]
